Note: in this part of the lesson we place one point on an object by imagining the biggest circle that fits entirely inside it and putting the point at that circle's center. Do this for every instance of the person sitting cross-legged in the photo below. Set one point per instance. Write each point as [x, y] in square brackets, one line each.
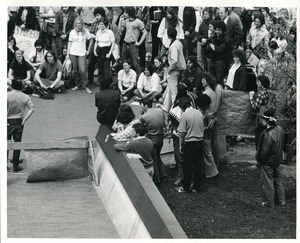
[148, 85]
[52, 73]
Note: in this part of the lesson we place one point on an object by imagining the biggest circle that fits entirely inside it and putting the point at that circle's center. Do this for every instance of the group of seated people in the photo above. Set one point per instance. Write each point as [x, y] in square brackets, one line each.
[41, 68]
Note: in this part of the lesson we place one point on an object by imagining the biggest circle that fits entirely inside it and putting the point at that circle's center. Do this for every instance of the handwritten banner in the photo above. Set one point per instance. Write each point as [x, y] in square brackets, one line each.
[25, 39]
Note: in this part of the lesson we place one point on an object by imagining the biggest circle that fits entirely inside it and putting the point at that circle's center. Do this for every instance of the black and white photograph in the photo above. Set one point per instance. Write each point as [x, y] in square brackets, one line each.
[208, 148]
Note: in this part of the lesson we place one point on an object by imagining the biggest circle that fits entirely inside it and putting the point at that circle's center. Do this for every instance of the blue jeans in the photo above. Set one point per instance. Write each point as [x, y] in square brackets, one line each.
[131, 52]
[15, 131]
[79, 66]
[272, 185]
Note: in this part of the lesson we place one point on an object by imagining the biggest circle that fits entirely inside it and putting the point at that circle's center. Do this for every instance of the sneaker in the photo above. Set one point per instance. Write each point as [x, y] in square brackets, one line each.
[75, 88]
[136, 98]
[36, 95]
[124, 98]
[17, 169]
[265, 204]
[180, 189]
[282, 203]
[87, 90]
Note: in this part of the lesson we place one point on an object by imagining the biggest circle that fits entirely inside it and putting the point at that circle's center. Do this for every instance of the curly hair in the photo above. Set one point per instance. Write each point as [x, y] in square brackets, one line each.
[240, 54]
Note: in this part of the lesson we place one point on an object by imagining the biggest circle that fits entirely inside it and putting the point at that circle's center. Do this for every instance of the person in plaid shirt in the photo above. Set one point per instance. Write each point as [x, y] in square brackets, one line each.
[259, 100]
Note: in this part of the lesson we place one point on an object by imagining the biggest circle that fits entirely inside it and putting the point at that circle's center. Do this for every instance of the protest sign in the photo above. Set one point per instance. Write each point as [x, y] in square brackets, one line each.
[25, 39]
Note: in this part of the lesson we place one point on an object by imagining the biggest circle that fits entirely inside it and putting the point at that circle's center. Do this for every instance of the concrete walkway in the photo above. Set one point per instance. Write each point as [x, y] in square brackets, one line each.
[61, 209]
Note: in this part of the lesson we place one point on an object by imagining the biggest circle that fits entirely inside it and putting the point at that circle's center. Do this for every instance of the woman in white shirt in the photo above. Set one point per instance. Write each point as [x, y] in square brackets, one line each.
[126, 81]
[105, 42]
[171, 19]
[148, 85]
[77, 53]
[237, 75]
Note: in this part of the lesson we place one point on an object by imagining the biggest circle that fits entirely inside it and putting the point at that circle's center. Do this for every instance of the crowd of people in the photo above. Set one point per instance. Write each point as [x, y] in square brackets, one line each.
[194, 54]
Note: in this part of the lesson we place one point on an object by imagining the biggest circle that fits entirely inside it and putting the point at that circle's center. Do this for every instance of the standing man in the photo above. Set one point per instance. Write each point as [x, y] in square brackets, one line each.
[48, 15]
[234, 26]
[133, 27]
[177, 63]
[154, 119]
[269, 157]
[63, 25]
[17, 102]
[189, 23]
[190, 130]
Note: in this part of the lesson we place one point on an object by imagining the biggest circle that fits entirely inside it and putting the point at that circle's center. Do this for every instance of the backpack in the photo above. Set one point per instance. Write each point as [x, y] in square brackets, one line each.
[43, 93]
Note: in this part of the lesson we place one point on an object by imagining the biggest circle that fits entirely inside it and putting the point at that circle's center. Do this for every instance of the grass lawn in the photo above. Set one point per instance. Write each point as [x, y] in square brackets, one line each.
[229, 206]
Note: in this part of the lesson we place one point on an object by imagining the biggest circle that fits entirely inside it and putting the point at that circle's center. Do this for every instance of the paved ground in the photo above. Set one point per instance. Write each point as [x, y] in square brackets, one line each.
[69, 208]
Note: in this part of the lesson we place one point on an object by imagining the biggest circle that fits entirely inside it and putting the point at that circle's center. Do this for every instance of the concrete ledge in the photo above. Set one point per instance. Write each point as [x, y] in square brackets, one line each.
[133, 183]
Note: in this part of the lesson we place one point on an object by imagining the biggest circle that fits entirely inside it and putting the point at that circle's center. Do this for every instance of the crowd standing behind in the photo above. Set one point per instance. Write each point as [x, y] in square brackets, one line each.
[194, 53]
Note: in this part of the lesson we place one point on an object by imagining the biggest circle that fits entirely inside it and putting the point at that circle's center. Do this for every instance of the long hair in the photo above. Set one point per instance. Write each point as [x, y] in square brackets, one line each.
[10, 38]
[53, 54]
[174, 19]
[210, 80]
[127, 109]
[83, 30]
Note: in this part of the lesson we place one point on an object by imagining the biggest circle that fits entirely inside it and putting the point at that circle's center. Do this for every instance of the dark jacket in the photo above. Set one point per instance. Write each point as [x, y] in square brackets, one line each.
[240, 78]
[108, 103]
[203, 29]
[193, 79]
[31, 20]
[189, 19]
[270, 147]
[235, 29]
[221, 51]
[59, 22]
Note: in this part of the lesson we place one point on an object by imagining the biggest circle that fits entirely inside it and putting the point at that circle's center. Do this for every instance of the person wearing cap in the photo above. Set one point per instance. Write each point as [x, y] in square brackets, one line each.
[259, 100]
[269, 157]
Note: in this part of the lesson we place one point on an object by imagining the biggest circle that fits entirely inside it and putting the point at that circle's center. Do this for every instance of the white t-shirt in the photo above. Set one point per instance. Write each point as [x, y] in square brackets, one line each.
[149, 84]
[231, 74]
[78, 42]
[105, 38]
[38, 56]
[127, 79]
